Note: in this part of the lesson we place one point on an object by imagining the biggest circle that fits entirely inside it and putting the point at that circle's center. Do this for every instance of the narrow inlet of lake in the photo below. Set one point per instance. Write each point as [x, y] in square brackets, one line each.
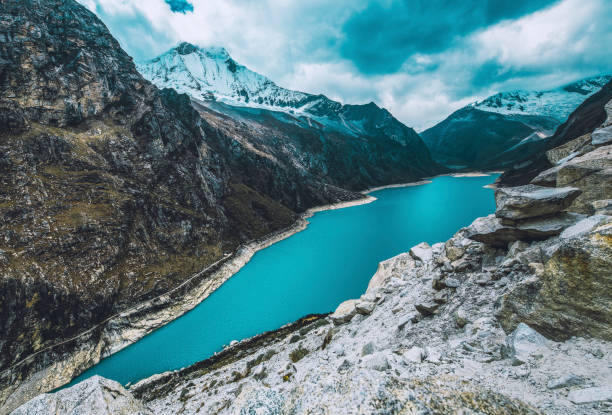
[310, 272]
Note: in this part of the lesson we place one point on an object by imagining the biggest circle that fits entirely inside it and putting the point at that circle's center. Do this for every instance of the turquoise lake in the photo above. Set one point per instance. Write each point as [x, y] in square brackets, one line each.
[311, 272]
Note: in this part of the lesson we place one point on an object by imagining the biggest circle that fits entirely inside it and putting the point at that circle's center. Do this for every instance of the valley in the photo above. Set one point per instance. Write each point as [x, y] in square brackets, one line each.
[176, 233]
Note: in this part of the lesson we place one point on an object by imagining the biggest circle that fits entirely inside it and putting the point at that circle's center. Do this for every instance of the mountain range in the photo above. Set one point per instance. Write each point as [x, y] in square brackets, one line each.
[494, 133]
[304, 135]
[507, 127]
[121, 193]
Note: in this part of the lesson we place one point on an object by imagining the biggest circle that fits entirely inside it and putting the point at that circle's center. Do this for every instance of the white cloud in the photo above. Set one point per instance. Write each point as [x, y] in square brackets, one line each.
[296, 44]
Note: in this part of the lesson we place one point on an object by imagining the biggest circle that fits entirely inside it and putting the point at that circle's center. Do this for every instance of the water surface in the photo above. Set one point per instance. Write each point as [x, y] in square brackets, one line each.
[310, 272]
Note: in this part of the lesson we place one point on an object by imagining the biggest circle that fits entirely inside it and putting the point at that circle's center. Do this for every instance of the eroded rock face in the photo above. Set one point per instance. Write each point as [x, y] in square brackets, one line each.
[491, 230]
[591, 172]
[572, 297]
[523, 202]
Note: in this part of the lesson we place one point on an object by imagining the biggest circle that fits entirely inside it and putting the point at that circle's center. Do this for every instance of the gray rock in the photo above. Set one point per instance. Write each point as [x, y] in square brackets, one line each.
[461, 318]
[368, 349]
[592, 173]
[344, 366]
[572, 294]
[345, 312]
[441, 297]
[365, 307]
[602, 136]
[438, 283]
[453, 250]
[414, 355]
[589, 395]
[452, 282]
[602, 207]
[517, 247]
[542, 228]
[427, 308]
[492, 231]
[461, 265]
[377, 361]
[433, 356]
[523, 343]
[259, 372]
[584, 226]
[547, 178]
[95, 395]
[564, 152]
[565, 381]
[531, 201]
[422, 252]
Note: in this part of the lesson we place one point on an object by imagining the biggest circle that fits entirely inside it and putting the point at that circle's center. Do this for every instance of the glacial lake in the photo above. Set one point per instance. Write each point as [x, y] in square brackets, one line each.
[310, 272]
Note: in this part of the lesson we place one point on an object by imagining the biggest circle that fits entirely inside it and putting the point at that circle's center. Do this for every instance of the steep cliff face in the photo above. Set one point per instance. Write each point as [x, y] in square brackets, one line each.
[305, 160]
[110, 191]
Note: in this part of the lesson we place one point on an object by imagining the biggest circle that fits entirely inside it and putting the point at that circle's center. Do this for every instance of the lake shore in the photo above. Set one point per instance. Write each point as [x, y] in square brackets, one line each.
[129, 326]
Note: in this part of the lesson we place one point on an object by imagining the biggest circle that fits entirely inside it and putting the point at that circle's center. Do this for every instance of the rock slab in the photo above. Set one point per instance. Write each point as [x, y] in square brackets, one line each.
[530, 201]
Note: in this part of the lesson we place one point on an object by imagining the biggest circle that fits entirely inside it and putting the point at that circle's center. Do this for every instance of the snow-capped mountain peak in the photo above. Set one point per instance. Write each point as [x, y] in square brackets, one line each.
[556, 103]
[211, 74]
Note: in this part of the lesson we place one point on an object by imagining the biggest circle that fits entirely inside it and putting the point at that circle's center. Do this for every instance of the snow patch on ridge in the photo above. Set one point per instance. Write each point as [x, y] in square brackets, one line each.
[556, 103]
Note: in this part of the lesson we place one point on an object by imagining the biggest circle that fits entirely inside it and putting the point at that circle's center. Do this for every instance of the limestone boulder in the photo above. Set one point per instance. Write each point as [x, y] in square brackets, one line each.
[365, 307]
[422, 252]
[524, 343]
[391, 267]
[529, 201]
[590, 395]
[345, 312]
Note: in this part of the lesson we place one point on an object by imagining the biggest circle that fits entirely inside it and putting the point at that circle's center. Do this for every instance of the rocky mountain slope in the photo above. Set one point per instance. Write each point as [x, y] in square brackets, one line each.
[210, 74]
[509, 316]
[115, 195]
[506, 127]
[301, 154]
[304, 140]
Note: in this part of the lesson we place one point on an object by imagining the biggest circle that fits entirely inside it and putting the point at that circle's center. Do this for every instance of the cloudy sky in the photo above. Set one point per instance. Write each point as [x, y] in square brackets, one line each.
[421, 59]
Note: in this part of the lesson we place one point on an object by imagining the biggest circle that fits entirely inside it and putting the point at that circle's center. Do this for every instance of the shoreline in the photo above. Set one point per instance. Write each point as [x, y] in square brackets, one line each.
[131, 325]
[398, 185]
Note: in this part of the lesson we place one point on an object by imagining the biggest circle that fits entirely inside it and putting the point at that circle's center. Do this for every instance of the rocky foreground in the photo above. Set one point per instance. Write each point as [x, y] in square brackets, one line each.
[512, 315]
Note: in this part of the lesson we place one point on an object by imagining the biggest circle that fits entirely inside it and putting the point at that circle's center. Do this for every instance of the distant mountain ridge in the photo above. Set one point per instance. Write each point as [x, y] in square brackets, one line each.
[556, 103]
[507, 127]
